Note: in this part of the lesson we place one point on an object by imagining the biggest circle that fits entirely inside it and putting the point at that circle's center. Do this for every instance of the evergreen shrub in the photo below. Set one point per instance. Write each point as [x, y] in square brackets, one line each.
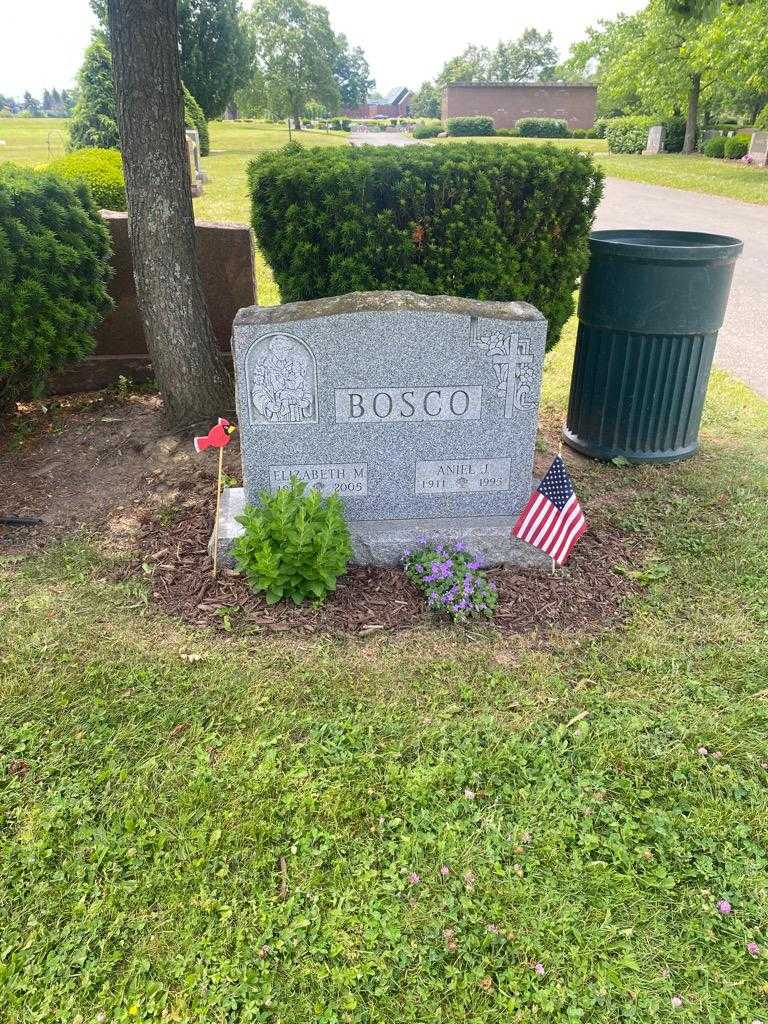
[715, 147]
[471, 126]
[100, 169]
[508, 133]
[736, 147]
[542, 128]
[195, 118]
[428, 129]
[54, 266]
[484, 221]
[761, 121]
[628, 134]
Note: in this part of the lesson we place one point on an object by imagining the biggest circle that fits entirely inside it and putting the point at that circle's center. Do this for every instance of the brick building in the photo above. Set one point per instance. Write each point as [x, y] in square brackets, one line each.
[506, 103]
[396, 104]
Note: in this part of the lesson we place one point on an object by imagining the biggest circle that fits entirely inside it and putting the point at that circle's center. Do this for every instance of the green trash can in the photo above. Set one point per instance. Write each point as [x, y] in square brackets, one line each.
[650, 307]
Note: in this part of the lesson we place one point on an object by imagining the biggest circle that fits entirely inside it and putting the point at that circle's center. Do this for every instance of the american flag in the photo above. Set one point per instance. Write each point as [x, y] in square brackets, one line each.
[552, 520]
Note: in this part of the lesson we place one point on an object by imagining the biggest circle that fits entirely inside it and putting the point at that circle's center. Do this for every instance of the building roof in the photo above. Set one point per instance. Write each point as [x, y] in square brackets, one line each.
[394, 96]
[521, 85]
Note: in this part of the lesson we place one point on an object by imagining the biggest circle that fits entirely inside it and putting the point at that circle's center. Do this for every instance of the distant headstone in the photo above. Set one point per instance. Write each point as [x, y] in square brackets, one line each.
[655, 142]
[420, 412]
[758, 148]
[197, 186]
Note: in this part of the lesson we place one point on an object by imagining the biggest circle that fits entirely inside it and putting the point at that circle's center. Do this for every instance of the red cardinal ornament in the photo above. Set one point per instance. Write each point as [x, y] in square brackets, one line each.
[217, 437]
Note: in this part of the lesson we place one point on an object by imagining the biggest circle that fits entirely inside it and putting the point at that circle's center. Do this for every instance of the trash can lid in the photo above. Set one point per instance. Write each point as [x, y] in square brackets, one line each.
[675, 246]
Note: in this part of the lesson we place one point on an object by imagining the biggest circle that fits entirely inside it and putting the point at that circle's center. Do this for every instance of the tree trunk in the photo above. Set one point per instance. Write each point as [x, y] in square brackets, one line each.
[188, 366]
[297, 120]
[689, 144]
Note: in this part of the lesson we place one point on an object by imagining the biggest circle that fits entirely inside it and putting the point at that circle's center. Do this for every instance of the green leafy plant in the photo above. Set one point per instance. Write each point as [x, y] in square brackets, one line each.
[715, 147]
[195, 118]
[54, 267]
[508, 133]
[296, 543]
[736, 147]
[542, 128]
[476, 125]
[481, 220]
[100, 169]
[451, 579]
[630, 134]
[427, 129]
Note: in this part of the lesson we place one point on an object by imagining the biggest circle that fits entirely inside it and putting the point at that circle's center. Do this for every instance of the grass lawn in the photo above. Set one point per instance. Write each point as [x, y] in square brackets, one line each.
[728, 178]
[202, 827]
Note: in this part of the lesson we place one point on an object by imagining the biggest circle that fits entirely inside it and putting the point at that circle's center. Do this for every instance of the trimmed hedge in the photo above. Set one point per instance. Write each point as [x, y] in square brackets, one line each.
[542, 128]
[100, 169]
[428, 129]
[54, 266]
[628, 134]
[485, 221]
[736, 147]
[715, 147]
[470, 126]
[508, 133]
[195, 118]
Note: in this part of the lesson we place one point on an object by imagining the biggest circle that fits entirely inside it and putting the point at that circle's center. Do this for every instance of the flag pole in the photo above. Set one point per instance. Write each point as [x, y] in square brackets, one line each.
[216, 520]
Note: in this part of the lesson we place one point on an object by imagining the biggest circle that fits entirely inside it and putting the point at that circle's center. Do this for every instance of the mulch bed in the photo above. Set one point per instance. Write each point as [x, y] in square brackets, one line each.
[113, 469]
[587, 595]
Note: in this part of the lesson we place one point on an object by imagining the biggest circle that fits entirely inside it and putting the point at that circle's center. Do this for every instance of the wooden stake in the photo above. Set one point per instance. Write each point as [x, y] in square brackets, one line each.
[216, 520]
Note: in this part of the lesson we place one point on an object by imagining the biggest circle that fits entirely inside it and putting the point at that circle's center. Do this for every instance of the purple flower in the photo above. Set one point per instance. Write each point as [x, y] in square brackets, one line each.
[459, 546]
[717, 754]
[445, 871]
[702, 751]
[753, 949]
[724, 906]
[419, 568]
[676, 1001]
[413, 878]
[539, 968]
[474, 565]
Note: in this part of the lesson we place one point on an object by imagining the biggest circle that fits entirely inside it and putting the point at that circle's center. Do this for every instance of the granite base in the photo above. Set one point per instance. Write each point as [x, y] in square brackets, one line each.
[382, 542]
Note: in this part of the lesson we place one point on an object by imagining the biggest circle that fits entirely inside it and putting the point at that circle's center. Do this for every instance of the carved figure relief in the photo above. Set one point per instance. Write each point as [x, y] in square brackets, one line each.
[282, 380]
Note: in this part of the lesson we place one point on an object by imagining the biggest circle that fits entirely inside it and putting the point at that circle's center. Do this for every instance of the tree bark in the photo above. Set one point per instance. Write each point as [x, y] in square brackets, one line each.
[189, 369]
[689, 143]
[297, 120]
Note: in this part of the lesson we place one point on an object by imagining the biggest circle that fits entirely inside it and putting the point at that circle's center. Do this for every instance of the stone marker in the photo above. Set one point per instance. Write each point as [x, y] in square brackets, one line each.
[758, 148]
[655, 143]
[419, 411]
[194, 181]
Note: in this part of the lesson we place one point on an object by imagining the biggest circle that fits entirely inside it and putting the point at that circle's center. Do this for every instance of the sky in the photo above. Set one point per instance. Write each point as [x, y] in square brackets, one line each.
[405, 41]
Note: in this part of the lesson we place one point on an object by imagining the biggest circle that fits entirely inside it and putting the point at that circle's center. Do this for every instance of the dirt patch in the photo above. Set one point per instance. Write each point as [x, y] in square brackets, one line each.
[97, 463]
[113, 469]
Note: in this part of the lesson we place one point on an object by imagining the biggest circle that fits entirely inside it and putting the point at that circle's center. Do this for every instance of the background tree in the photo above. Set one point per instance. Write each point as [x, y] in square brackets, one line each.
[94, 118]
[295, 58]
[31, 104]
[352, 74]
[213, 49]
[426, 102]
[530, 57]
[189, 369]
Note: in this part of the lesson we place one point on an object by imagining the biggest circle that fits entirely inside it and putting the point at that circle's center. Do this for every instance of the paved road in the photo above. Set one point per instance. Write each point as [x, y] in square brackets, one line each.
[742, 346]
[377, 138]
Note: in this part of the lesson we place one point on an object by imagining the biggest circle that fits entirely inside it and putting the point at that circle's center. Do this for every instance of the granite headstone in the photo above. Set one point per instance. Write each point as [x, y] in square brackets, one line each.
[758, 148]
[655, 142]
[419, 411]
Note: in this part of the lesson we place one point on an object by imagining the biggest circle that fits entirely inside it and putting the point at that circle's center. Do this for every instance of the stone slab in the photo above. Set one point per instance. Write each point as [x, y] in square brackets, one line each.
[655, 143]
[411, 407]
[383, 543]
[758, 148]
